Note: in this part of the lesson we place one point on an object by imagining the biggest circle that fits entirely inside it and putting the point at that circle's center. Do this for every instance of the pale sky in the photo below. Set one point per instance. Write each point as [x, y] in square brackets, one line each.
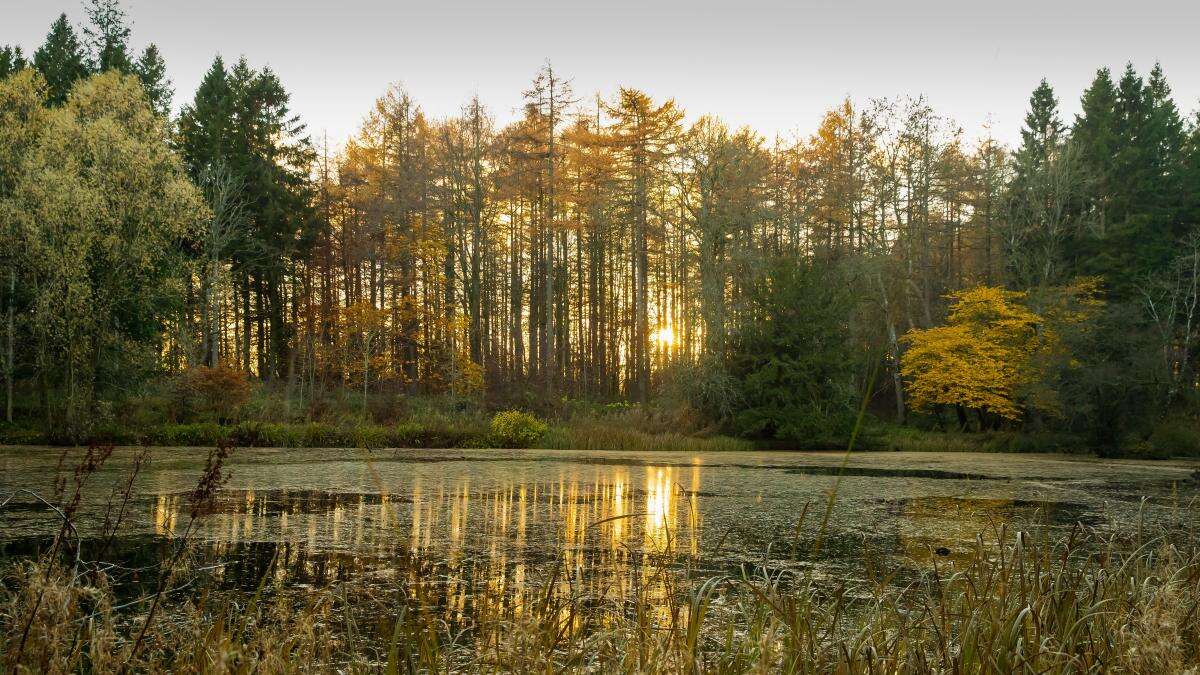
[770, 64]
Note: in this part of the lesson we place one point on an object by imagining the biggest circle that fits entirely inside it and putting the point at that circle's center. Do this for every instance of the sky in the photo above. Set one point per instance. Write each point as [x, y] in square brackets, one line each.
[773, 65]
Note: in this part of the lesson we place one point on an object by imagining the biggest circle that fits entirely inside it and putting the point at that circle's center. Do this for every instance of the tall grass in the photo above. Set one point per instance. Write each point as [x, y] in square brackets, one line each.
[1022, 602]
[601, 435]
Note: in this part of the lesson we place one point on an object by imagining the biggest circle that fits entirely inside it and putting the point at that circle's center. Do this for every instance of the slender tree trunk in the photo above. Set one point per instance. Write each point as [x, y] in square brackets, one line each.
[9, 362]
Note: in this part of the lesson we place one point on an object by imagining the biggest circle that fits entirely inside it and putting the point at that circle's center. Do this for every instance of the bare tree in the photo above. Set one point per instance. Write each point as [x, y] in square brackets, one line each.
[224, 192]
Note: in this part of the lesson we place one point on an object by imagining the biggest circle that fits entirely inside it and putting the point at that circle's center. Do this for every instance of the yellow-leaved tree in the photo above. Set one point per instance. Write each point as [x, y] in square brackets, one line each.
[981, 359]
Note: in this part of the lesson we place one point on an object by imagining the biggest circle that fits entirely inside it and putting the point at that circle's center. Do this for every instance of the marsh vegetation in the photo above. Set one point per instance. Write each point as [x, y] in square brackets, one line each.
[431, 561]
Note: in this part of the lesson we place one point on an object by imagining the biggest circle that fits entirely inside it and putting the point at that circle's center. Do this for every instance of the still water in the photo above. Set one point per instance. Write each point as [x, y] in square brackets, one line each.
[469, 531]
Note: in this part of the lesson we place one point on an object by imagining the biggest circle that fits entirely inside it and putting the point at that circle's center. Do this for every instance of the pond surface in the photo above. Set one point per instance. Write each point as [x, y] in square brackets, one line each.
[466, 530]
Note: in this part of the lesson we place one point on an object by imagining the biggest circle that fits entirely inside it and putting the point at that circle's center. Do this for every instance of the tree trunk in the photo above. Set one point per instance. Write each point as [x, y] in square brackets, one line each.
[9, 362]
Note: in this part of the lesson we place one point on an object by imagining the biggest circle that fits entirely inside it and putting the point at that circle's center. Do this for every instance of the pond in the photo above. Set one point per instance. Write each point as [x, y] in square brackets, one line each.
[469, 531]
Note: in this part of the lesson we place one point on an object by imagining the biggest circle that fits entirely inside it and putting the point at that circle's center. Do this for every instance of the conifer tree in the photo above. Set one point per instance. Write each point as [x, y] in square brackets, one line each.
[1094, 136]
[241, 120]
[1146, 170]
[1163, 140]
[205, 124]
[1190, 212]
[1041, 135]
[60, 60]
[152, 71]
[11, 60]
[1045, 185]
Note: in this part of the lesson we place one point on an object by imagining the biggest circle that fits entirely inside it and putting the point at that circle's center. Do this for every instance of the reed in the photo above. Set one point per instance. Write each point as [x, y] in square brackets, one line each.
[1023, 602]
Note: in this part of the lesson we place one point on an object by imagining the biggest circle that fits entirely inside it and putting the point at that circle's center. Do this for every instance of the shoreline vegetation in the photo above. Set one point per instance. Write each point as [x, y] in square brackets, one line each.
[567, 436]
[232, 410]
[1021, 604]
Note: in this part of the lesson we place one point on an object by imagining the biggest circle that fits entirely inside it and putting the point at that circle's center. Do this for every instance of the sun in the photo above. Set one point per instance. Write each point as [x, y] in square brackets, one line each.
[664, 336]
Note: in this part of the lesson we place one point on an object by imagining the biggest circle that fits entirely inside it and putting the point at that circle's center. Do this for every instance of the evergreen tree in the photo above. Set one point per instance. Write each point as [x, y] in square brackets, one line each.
[1043, 128]
[1094, 137]
[1190, 212]
[205, 125]
[241, 119]
[152, 71]
[1045, 185]
[11, 60]
[1146, 173]
[1164, 141]
[60, 60]
[108, 36]
[1127, 165]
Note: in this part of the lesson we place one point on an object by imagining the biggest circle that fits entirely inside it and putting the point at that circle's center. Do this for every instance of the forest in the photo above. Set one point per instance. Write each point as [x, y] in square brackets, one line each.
[600, 257]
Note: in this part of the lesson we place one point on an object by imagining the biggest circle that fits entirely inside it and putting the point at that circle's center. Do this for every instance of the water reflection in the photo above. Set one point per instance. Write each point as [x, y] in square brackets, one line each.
[594, 533]
[470, 540]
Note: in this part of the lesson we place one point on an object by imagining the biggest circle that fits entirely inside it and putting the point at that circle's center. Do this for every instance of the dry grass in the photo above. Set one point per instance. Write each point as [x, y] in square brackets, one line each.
[1021, 602]
[1018, 605]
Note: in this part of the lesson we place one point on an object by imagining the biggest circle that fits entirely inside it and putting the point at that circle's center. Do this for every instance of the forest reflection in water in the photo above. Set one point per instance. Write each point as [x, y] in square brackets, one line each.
[459, 548]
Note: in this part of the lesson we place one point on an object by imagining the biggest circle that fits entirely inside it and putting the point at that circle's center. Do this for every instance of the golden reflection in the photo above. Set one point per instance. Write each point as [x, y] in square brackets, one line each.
[589, 532]
[946, 527]
[165, 514]
[660, 509]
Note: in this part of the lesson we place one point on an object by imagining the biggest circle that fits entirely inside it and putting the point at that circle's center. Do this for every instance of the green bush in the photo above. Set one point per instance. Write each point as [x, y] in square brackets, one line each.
[1143, 450]
[1177, 438]
[202, 433]
[516, 429]
[789, 379]
[12, 434]
[598, 435]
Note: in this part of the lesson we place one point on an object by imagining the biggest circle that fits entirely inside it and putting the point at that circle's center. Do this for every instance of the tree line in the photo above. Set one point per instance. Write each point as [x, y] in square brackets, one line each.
[598, 248]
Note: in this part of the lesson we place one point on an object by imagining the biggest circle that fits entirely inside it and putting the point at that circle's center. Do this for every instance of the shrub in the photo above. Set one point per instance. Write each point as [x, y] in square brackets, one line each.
[790, 379]
[1177, 438]
[516, 429]
[204, 433]
[1143, 450]
[214, 393]
[11, 434]
[598, 435]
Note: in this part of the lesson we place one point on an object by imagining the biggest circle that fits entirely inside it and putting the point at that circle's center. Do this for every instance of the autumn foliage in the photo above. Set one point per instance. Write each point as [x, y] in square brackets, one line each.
[217, 392]
[994, 354]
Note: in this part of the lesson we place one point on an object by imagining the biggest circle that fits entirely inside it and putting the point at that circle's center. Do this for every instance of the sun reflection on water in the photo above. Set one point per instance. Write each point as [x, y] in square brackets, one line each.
[467, 547]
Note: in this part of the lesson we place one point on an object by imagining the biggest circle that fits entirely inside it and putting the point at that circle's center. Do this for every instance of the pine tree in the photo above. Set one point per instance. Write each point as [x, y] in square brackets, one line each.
[204, 125]
[152, 71]
[11, 60]
[1146, 174]
[1045, 185]
[60, 60]
[1127, 163]
[108, 36]
[1094, 136]
[1043, 128]
[1163, 143]
[1190, 212]
[240, 119]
